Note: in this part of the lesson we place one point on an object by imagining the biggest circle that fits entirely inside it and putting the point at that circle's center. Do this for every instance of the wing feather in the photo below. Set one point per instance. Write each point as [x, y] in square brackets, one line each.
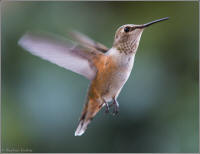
[87, 42]
[60, 52]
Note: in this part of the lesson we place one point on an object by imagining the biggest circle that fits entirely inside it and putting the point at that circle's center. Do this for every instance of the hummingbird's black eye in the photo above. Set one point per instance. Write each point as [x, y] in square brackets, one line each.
[127, 29]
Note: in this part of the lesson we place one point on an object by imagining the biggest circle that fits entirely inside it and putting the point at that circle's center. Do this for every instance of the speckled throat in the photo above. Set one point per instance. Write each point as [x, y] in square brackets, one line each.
[128, 44]
[127, 47]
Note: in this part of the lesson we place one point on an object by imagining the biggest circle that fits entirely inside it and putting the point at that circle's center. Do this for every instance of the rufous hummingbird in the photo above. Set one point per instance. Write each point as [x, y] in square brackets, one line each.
[107, 69]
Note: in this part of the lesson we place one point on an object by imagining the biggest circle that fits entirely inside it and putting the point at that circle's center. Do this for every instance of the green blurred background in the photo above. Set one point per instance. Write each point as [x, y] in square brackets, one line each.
[41, 102]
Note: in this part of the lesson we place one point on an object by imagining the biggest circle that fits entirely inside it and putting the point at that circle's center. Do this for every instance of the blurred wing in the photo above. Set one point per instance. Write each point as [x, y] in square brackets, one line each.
[87, 42]
[58, 51]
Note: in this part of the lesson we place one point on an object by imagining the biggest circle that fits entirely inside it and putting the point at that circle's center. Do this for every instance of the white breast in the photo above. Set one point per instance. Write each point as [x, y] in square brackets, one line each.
[122, 73]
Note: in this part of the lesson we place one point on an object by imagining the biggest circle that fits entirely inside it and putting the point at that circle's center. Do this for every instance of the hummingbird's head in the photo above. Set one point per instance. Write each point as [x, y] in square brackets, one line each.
[127, 37]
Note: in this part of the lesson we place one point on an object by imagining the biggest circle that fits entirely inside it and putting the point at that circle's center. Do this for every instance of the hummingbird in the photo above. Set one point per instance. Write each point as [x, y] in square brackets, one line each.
[107, 69]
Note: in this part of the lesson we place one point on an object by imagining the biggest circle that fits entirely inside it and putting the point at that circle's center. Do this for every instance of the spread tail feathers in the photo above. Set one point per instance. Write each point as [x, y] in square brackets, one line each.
[89, 111]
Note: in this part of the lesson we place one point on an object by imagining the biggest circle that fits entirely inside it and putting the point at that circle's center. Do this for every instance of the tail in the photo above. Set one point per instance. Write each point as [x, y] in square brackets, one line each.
[91, 108]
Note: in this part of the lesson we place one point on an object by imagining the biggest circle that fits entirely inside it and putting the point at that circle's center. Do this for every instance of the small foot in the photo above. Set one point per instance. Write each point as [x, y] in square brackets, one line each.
[116, 106]
[107, 108]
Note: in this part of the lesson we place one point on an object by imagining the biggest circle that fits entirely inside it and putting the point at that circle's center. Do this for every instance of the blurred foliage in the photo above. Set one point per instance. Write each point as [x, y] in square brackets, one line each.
[41, 102]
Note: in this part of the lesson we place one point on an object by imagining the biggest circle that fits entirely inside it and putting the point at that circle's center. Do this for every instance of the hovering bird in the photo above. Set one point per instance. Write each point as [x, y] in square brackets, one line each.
[107, 69]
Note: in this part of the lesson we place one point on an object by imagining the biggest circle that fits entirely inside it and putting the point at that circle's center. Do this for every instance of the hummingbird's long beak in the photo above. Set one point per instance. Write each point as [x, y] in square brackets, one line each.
[150, 23]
